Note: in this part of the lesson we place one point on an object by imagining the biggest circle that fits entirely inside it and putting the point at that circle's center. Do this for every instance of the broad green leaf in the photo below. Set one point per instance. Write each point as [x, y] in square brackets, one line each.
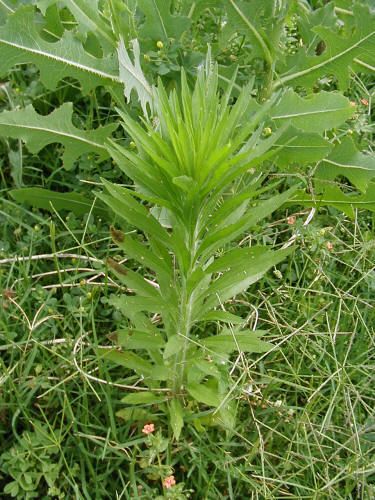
[160, 24]
[204, 394]
[37, 131]
[135, 339]
[333, 196]
[244, 17]
[341, 51]
[135, 282]
[300, 148]
[246, 341]
[132, 76]
[347, 161]
[88, 16]
[142, 398]
[316, 113]
[50, 200]
[20, 43]
[176, 417]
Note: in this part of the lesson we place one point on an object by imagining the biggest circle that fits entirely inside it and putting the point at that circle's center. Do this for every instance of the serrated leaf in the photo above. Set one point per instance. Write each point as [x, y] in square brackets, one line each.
[298, 147]
[176, 418]
[347, 161]
[88, 16]
[160, 24]
[142, 398]
[21, 43]
[50, 200]
[316, 113]
[341, 50]
[204, 394]
[245, 341]
[132, 76]
[37, 131]
[333, 196]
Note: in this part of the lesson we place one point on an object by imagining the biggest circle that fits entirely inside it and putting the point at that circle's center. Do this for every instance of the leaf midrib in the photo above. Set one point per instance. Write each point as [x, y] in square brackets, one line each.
[63, 60]
[298, 74]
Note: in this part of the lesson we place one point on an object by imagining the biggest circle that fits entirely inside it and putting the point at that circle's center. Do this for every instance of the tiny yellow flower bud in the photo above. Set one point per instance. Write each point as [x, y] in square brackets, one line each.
[267, 131]
[132, 145]
[159, 44]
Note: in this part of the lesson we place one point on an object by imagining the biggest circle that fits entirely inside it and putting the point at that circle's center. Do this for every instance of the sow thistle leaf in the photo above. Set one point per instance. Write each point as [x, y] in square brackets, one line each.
[50, 200]
[132, 76]
[245, 341]
[347, 161]
[341, 51]
[160, 24]
[20, 43]
[37, 131]
[298, 147]
[316, 113]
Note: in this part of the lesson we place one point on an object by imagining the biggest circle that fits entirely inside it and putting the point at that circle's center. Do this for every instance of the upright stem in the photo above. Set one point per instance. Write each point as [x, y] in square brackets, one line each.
[185, 319]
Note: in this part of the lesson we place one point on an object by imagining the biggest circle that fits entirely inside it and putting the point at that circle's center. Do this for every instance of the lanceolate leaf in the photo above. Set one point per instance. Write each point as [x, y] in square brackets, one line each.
[53, 200]
[246, 341]
[21, 43]
[341, 51]
[37, 131]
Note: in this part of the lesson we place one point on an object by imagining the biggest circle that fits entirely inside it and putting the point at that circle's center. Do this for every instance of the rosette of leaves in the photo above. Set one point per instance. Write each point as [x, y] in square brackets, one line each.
[197, 189]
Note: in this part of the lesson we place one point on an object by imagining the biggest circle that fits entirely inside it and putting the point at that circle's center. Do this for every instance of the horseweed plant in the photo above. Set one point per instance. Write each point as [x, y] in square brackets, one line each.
[195, 164]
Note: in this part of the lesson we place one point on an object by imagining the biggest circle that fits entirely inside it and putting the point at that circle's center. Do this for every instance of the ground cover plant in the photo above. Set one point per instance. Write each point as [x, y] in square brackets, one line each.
[200, 324]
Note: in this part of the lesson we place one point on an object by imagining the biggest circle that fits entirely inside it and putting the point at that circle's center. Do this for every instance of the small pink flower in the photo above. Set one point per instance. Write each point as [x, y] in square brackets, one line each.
[291, 220]
[148, 429]
[329, 246]
[169, 482]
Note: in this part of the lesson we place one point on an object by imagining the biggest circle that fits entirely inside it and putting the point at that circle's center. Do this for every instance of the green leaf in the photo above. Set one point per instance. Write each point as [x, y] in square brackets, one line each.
[242, 267]
[37, 131]
[20, 43]
[127, 359]
[88, 16]
[298, 147]
[50, 200]
[123, 204]
[341, 50]
[133, 414]
[204, 394]
[176, 418]
[223, 316]
[245, 341]
[135, 339]
[174, 345]
[132, 76]
[244, 17]
[316, 113]
[143, 398]
[160, 24]
[347, 161]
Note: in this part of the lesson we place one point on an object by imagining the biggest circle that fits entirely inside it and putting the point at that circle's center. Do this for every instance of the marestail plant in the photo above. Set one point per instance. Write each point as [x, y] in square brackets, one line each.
[200, 172]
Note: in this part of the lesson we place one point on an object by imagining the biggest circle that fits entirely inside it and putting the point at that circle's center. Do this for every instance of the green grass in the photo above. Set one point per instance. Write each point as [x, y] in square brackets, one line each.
[305, 411]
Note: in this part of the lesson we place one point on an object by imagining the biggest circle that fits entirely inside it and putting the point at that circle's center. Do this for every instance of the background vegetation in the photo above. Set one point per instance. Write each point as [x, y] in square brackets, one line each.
[305, 411]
